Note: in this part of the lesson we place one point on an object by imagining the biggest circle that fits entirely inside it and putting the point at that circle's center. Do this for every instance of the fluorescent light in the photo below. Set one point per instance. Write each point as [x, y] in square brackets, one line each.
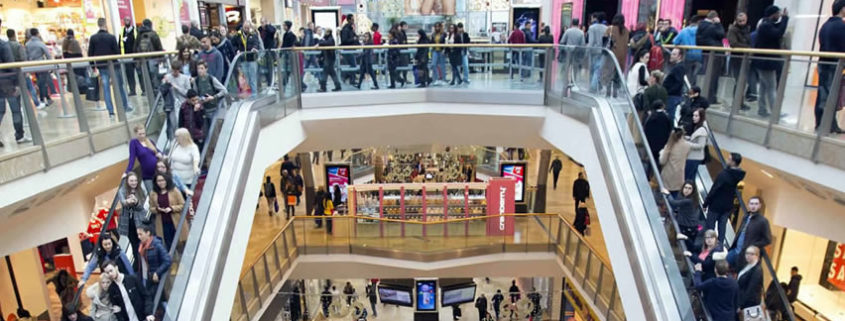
[767, 173]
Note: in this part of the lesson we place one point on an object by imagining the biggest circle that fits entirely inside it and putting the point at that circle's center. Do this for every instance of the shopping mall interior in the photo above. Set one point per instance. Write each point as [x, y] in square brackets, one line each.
[533, 189]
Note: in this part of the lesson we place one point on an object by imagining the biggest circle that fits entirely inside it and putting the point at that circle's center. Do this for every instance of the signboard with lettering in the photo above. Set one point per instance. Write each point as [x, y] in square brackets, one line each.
[500, 200]
[833, 274]
[515, 171]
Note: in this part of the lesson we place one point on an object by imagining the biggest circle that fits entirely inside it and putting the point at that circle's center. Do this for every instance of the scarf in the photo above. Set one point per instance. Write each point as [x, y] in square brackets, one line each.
[127, 303]
[142, 250]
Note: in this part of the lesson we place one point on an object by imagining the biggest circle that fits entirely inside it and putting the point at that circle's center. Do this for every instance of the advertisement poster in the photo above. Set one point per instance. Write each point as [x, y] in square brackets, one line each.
[500, 201]
[124, 9]
[338, 176]
[515, 171]
[522, 15]
[427, 295]
[430, 7]
[833, 275]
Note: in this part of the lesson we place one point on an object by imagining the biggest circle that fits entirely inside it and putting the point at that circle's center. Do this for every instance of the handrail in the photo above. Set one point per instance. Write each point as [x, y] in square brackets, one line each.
[780, 52]
[764, 255]
[426, 45]
[62, 61]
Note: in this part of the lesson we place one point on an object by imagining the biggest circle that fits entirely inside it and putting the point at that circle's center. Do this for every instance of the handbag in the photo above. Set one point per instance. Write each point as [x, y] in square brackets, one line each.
[639, 101]
[276, 205]
[754, 313]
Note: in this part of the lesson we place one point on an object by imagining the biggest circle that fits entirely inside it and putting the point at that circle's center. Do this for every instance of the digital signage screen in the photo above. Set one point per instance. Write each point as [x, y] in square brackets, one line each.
[458, 294]
[426, 295]
[338, 175]
[516, 171]
[395, 295]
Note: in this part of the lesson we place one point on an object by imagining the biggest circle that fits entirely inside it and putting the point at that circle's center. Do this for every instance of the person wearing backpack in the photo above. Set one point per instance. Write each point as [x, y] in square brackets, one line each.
[210, 91]
[9, 91]
[148, 41]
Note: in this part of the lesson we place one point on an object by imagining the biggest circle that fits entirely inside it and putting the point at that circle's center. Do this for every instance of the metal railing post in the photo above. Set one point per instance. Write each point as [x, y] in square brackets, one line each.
[35, 130]
[280, 75]
[296, 62]
[78, 106]
[739, 91]
[547, 72]
[776, 109]
[829, 109]
[147, 79]
[62, 99]
[708, 73]
[116, 96]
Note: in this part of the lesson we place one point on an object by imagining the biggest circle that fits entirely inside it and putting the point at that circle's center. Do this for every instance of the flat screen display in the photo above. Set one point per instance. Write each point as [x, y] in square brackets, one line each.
[458, 294]
[338, 175]
[517, 172]
[426, 295]
[391, 295]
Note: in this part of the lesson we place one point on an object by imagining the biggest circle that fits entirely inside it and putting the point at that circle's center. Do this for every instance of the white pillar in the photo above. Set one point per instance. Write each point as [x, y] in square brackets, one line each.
[76, 252]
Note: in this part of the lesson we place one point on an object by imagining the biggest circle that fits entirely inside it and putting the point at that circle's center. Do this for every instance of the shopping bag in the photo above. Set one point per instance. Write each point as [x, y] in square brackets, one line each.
[93, 91]
[754, 313]
[291, 199]
[276, 205]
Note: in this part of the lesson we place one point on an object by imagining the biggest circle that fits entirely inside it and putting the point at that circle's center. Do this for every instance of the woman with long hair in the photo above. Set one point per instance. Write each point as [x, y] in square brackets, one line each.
[367, 62]
[189, 63]
[455, 54]
[638, 74]
[65, 286]
[185, 158]
[672, 159]
[710, 252]
[698, 143]
[70, 312]
[132, 212]
[108, 250]
[167, 203]
[102, 309]
[421, 57]
[618, 37]
[143, 149]
[686, 209]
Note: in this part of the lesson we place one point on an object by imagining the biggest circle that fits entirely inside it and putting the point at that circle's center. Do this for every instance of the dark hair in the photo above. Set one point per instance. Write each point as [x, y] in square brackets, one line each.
[167, 179]
[695, 19]
[722, 267]
[191, 93]
[350, 17]
[837, 6]
[70, 309]
[69, 32]
[690, 183]
[702, 116]
[658, 104]
[423, 38]
[547, 30]
[402, 23]
[176, 64]
[33, 32]
[696, 89]
[575, 22]
[10, 33]
[166, 164]
[186, 28]
[109, 262]
[101, 22]
[794, 269]
[146, 228]
[147, 23]
[460, 25]
[737, 158]
[639, 55]
[288, 23]
[618, 22]
[374, 27]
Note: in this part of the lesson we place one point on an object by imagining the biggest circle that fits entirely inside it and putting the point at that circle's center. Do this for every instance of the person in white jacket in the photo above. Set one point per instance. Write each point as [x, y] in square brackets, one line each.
[101, 307]
[637, 79]
[698, 143]
[185, 158]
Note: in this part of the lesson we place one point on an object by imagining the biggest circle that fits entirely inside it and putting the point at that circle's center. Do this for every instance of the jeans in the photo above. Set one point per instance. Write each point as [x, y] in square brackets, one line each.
[250, 70]
[826, 74]
[129, 71]
[17, 117]
[690, 169]
[349, 61]
[105, 77]
[528, 62]
[514, 62]
[672, 103]
[768, 91]
[329, 71]
[44, 82]
[168, 231]
[595, 74]
[465, 66]
[373, 306]
[312, 62]
[716, 217]
[438, 63]
[172, 122]
[456, 62]
[32, 92]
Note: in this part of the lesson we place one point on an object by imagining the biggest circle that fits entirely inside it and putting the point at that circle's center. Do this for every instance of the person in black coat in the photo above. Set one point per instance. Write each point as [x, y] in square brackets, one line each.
[754, 231]
[658, 127]
[127, 290]
[710, 34]
[720, 200]
[581, 216]
[127, 45]
[674, 81]
[421, 58]
[71, 313]
[694, 101]
[750, 280]
[288, 41]
[774, 304]
[831, 39]
[686, 209]
[556, 167]
[794, 284]
[720, 293]
[769, 36]
[580, 189]
[270, 196]
[104, 44]
[481, 305]
[393, 58]
[328, 60]
[708, 254]
[318, 206]
[348, 37]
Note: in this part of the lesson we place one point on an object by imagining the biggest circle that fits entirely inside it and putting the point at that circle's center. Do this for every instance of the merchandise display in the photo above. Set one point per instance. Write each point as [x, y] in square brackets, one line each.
[428, 202]
[427, 167]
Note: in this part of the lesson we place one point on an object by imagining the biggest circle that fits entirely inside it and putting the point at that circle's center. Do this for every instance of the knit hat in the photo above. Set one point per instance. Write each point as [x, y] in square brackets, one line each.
[770, 10]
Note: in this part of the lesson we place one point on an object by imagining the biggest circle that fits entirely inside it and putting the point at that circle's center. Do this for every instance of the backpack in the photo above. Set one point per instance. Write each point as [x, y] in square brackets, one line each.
[145, 42]
[655, 62]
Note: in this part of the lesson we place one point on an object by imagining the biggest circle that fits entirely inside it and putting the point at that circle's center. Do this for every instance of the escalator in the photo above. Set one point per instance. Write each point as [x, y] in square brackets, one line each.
[614, 117]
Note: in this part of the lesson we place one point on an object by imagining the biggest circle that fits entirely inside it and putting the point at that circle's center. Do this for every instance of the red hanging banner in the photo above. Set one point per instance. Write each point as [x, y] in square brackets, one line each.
[500, 200]
[836, 271]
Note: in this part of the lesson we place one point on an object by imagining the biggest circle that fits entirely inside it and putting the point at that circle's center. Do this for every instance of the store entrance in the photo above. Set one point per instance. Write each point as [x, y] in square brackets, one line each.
[609, 7]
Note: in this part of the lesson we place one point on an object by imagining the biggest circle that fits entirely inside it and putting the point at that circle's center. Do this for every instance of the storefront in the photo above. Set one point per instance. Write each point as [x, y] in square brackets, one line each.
[53, 17]
[821, 262]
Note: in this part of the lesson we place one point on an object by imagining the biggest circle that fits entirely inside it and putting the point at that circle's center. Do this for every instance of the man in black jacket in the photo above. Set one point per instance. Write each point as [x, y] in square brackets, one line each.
[127, 46]
[580, 190]
[720, 200]
[481, 305]
[148, 41]
[710, 34]
[769, 36]
[754, 231]
[556, 167]
[831, 39]
[657, 128]
[10, 92]
[674, 82]
[750, 280]
[349, 38]
[328, 60]
[104, 44]
[127, 292]
[288, 41]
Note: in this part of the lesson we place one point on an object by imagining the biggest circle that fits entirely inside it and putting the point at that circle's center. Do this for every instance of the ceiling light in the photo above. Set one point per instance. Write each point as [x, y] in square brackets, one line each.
[767, 173]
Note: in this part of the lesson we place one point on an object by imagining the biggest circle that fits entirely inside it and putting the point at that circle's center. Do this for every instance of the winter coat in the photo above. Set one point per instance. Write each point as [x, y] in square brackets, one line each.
[769, 36]
[710, 34]
[720, 199]
[101, 306]
[134, 212]
[673, 162]
[158, 260]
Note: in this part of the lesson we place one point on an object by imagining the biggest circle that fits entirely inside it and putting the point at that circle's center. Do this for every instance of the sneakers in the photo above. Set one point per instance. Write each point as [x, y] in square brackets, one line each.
[41, 106]
[22, 140]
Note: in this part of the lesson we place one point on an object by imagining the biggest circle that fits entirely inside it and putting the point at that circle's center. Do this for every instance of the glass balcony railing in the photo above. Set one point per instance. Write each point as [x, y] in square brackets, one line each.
[592, 277]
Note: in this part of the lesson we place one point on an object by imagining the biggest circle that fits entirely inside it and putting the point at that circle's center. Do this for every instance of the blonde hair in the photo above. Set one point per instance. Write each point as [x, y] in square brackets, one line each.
[146, 141]
[183, 137]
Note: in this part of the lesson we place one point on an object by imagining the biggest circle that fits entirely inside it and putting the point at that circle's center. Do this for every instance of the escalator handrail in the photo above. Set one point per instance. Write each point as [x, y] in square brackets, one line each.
[764, 256]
